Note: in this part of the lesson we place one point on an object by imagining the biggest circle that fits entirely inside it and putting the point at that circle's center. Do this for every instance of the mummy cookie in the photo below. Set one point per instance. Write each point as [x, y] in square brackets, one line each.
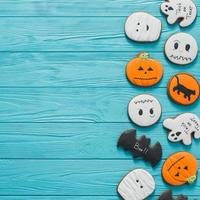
[136, 185]
[140, 147]
[183, 88]
[144, 110]
[167, 195]
[144, 71]
[183, 11]
[183, 128]
[180, 168]
[181, 48]
[143, 27]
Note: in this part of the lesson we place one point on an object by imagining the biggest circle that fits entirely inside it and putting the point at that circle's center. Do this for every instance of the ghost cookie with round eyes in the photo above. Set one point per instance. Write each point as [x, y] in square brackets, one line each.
[144, 71]
[181, 48]
[183, 128]
[144, 110]
[136, 185]
[180, 168]
[183, 11]
[143, 27]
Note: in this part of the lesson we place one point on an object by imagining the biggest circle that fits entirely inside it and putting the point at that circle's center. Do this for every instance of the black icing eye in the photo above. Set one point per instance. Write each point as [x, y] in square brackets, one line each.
[178, 133]
[186, 168]
[176, 45]
[138, 23]
[150, 69]
[137, 30]
[151, 111]
[166, 10]
[137, 181]
[187, 47]
[166, 6]
[140, 112]
[173, 135]
[140, 68]
[141, 186]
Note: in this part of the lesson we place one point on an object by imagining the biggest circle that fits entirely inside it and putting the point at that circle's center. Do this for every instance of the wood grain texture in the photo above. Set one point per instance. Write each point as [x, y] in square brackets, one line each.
[78, 104]
[77, 34]
[80, 8]
[64, 96]
[92, 69]
[77, 141]
[69, 177]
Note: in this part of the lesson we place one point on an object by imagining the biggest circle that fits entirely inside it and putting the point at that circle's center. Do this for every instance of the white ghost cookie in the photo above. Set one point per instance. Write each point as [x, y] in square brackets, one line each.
[136, 185]
[144, 110]
[183, 10]
[143, 27]
[181, 48]
[183, 127]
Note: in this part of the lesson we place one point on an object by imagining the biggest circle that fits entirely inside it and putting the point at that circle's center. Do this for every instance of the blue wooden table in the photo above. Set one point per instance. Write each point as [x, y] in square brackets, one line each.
[64, 96]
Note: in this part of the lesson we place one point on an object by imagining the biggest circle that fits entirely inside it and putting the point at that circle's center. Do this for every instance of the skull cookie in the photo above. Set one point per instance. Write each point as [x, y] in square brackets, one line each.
[183, 10]
[143, 27]
[144, 110]
[136, 185]
[181, 48]
[183, 127]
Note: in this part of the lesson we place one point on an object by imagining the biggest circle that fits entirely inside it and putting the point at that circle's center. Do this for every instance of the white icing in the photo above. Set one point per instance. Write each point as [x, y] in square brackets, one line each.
[181, 48]
[185, 10]
[144, 110]
[136, 185]
[183, 127]
[143, 27]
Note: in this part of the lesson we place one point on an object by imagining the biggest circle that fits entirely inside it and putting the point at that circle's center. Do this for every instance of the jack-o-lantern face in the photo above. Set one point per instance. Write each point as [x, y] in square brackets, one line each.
[180, 168]
[144, 71]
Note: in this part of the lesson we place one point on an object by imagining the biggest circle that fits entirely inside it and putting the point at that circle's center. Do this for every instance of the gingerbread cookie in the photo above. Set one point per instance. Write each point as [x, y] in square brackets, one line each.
[183, 11]
[183, 128]
[140, 147]
[136, 185]
[143, 27]
[183, 88]
[144, 71]
[167, 195]
[180, 168]
[144, 110]
[181, 48]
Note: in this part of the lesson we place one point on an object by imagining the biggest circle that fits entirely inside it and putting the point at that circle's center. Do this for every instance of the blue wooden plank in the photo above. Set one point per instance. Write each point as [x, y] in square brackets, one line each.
[77, 141]
[78, 7]
[78, 104]
[76, 69]
[77, 34]
[69, 177]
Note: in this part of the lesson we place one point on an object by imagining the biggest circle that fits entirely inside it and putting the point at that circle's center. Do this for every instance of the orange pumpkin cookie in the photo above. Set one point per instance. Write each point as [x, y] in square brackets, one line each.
[180, 168]
[144, 71]
[183, 88]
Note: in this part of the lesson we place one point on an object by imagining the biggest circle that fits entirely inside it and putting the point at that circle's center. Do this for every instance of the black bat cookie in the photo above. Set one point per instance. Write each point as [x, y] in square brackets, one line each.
[167, 195]
[140, 147]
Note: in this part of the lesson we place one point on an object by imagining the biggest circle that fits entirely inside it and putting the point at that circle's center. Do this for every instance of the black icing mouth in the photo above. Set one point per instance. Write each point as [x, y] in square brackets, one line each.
[181, 58]
[146, 79]
[147, 27]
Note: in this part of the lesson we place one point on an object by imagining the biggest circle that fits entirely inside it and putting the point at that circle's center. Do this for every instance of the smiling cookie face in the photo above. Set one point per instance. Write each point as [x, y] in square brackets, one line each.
[180, 168]
[136, 185]
[144, 110]
[181, 48]
[144, 71]
[143, 27]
